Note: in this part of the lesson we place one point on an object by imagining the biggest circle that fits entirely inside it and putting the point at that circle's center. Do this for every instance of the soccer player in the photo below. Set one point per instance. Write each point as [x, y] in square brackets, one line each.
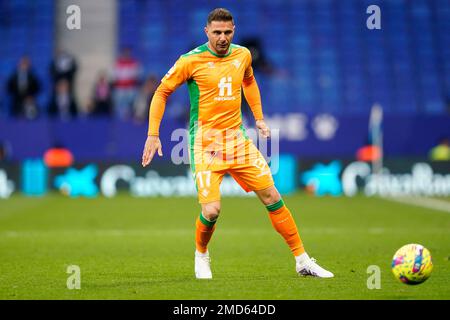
[215, 73]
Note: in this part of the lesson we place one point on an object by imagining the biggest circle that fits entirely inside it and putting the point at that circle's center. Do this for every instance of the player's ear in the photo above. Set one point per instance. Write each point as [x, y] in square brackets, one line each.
[206, 30]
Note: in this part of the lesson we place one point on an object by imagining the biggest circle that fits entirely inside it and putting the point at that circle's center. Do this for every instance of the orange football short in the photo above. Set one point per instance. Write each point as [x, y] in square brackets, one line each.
[248, 168]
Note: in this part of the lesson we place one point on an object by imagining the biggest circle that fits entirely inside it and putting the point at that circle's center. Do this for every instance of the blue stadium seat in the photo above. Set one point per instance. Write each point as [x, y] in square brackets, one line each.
[403, 66]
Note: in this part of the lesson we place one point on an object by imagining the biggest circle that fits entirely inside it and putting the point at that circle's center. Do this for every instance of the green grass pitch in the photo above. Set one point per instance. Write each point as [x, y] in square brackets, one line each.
[142, 248]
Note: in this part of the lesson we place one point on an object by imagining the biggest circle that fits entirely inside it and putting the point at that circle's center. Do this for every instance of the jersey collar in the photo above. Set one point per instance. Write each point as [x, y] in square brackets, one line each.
[215, 54]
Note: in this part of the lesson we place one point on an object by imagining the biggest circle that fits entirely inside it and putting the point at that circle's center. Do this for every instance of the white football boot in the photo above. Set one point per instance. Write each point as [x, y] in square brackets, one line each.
[202, 265]
[306, 266]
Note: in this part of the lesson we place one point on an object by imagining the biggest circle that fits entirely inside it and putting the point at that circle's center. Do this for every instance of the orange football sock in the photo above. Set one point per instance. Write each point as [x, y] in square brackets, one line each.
[284, 223]
[203, 233]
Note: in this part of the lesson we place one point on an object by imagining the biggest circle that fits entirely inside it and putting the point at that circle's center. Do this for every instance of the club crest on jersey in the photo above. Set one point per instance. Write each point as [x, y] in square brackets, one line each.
[236, 63]
[211, 65]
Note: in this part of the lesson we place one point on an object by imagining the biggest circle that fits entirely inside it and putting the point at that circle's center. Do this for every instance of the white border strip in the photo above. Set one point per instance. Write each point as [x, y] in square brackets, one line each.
[428, 203]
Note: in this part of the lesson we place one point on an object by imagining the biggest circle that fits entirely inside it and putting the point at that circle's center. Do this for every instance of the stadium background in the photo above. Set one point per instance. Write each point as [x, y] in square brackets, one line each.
[321, 71]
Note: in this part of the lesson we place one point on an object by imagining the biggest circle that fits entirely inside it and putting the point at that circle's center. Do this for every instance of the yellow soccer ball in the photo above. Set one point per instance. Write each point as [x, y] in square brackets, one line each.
[412, 264]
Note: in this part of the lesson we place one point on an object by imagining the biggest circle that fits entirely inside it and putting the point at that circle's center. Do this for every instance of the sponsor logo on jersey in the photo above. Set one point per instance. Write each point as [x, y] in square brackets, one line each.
[225, 89]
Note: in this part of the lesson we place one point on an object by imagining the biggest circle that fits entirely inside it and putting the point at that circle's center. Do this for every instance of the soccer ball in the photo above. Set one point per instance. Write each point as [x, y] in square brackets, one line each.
[412, 264]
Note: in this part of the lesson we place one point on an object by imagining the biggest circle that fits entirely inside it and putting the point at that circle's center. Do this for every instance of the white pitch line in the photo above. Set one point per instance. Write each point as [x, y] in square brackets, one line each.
[428, 203]
[228, 232]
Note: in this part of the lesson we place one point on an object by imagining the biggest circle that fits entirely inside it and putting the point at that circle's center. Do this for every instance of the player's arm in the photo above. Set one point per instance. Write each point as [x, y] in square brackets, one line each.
[157, 107]
[172, 80]
[253, 97]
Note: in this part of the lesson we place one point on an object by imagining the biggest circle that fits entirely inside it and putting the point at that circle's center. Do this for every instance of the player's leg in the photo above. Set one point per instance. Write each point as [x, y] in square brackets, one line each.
[283, 222]
[208, 187]
[281, 218]
[254, 175]
[205, 226]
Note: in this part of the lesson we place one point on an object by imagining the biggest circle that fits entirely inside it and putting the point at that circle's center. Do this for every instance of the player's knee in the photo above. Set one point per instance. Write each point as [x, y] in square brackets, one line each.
[211, 211]
[270, 196]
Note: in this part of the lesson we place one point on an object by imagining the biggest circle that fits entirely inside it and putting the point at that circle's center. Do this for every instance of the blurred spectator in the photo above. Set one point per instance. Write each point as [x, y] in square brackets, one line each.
[126, 80]
[62, 104]
[260, 62]
[23, 85]
[63, 67]
[3, 152]
[441, 152]
[144, 97]
[101, 97]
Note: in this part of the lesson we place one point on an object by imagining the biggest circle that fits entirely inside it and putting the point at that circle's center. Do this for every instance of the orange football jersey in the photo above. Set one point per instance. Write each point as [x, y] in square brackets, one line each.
[214, 84]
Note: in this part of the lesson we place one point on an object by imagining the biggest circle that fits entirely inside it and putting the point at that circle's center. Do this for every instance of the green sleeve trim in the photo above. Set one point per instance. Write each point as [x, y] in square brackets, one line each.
[275, 206]
[206, 222]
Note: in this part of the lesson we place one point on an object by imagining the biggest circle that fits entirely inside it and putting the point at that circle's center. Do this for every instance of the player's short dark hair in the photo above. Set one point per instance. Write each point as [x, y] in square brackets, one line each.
[220, 14]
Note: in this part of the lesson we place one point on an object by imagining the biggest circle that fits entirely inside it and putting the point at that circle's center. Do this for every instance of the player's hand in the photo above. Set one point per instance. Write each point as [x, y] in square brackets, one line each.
[152, 145]
[263, 129]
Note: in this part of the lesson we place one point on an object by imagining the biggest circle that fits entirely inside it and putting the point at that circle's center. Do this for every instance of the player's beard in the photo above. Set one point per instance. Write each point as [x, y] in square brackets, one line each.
[222, 49]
